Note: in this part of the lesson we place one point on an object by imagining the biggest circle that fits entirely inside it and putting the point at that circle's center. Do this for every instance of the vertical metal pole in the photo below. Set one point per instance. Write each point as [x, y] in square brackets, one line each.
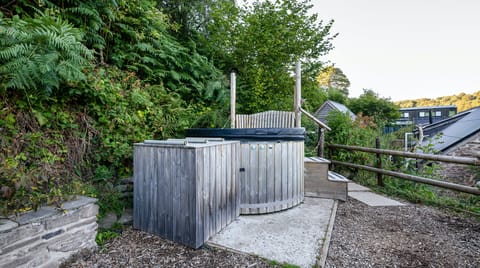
[379, 163]
[298, 95]
[233, 92]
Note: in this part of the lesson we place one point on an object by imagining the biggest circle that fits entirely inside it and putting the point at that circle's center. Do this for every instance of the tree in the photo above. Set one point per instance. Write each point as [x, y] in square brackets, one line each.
[370, 104]
[336, 95]
[191, 17]
[264, 42]
[462, 101]
[332, 77]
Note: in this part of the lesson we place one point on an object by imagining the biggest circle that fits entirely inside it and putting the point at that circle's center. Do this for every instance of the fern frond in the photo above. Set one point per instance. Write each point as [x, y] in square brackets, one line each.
[15, 51]
[41, 52]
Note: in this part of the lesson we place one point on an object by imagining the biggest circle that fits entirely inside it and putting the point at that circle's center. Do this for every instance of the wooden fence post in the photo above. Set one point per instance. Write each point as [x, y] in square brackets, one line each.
[321, 142]
[298, 95]
[330, 155]
[379, 163]
[233, 93]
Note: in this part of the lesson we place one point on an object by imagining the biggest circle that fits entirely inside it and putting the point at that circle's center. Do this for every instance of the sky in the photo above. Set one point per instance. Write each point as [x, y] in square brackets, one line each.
[406, 49]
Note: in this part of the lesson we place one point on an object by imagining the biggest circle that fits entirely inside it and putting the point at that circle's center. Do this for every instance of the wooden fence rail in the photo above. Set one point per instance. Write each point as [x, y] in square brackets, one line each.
[433, 157]
[379, 171]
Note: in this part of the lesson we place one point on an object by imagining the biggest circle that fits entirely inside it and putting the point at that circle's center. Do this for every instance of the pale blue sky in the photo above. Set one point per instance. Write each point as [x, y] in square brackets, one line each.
[406, 49]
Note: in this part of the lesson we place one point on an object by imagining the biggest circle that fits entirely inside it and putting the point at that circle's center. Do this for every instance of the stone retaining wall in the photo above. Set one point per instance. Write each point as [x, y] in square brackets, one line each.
[48, 236]
[463, 174]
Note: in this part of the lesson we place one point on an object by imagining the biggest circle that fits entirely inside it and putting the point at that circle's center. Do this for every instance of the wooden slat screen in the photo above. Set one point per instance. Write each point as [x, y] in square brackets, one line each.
[268, 119]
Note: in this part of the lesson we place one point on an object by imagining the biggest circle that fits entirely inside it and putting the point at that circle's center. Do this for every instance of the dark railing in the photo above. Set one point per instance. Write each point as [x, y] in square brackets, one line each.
[379, 171]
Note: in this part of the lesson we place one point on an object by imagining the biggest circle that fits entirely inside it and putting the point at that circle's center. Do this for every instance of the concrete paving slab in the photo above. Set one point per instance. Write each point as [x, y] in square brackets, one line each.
[374, 200]
[293, 236]
[353, 187]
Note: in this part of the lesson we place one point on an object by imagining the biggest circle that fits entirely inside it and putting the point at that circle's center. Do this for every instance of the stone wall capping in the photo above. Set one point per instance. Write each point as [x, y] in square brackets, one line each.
[48, 236]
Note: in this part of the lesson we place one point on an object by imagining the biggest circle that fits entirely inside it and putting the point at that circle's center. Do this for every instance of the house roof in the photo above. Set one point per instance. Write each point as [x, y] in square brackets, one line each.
[455, 129]
[336, 106]
[428, 108]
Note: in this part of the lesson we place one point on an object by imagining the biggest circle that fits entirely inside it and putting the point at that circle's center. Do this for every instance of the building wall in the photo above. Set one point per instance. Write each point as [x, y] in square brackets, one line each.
[464, 174]
[433, 114]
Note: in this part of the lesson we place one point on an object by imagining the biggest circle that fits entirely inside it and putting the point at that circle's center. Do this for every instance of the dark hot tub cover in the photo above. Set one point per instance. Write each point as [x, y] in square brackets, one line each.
[253, 134]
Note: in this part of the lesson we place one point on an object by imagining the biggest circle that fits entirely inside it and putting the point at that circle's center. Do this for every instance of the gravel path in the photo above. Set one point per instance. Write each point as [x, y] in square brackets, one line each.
[363, 236]
[406, 236]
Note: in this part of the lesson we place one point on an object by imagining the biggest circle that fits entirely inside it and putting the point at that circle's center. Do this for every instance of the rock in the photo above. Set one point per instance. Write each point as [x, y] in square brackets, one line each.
[108, 221]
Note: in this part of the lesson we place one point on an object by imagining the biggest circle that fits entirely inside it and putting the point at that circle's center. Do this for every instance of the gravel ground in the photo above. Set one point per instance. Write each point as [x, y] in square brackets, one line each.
[139, 249]
[363, 236]
[407, 236]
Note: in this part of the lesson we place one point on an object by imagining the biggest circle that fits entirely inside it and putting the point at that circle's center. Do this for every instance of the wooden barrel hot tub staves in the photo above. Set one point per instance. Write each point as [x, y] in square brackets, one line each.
[271, 176]
[270, 167]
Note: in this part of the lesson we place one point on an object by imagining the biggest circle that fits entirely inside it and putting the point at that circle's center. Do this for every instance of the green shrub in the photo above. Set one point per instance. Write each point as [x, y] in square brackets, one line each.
[361, 132]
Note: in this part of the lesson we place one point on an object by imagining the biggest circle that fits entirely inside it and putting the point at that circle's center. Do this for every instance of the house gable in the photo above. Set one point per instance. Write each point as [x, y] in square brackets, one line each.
[328, 106]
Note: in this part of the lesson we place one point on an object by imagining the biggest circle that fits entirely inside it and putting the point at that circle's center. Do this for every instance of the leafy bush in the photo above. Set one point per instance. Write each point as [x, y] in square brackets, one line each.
[68, 127]
[361, 132]
[126, 110]
[50, 145]
[345, 131]
[40, 152]
[381, 110]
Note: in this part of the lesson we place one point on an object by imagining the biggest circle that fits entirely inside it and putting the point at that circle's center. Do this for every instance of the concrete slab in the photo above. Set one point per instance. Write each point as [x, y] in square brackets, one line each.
[293, 236]
[353, 187]
[374, 200]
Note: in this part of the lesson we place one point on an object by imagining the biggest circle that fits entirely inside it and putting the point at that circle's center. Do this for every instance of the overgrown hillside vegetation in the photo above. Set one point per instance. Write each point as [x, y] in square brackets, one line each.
[462, 101]
[81, 81]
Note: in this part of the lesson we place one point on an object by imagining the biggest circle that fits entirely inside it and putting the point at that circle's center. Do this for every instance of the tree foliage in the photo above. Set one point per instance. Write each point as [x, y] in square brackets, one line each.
[190, 17]
[334, 78]
[370, 104]
[264, 42]
[462, 101]
[146, 85]
[102, 75]
[144, 46]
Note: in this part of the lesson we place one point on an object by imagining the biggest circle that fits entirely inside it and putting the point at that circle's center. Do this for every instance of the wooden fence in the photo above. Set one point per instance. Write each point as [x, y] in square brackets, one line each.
[379, 171]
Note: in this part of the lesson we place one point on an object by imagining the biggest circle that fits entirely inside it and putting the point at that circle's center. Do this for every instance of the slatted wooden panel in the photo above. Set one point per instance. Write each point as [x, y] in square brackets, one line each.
[186, 193]
[271, 176]
[268, 119]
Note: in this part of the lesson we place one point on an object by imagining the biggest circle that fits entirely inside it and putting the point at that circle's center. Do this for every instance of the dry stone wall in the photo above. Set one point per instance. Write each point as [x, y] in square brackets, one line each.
[48, 236]
[464, 174]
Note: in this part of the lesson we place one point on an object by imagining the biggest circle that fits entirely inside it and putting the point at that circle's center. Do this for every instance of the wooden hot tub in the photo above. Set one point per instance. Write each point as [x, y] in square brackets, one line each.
[270, 168]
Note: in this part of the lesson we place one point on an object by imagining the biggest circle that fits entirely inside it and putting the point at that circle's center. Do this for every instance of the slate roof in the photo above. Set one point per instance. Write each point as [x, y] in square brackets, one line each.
[329, 105]
[455, 129]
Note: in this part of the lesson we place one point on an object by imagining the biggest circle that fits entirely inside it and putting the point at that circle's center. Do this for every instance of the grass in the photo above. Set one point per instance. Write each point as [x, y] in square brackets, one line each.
[283, 265]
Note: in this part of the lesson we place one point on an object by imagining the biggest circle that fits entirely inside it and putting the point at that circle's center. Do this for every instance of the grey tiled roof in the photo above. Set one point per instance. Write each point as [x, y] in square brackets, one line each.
[454, 130]
[342, 108]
